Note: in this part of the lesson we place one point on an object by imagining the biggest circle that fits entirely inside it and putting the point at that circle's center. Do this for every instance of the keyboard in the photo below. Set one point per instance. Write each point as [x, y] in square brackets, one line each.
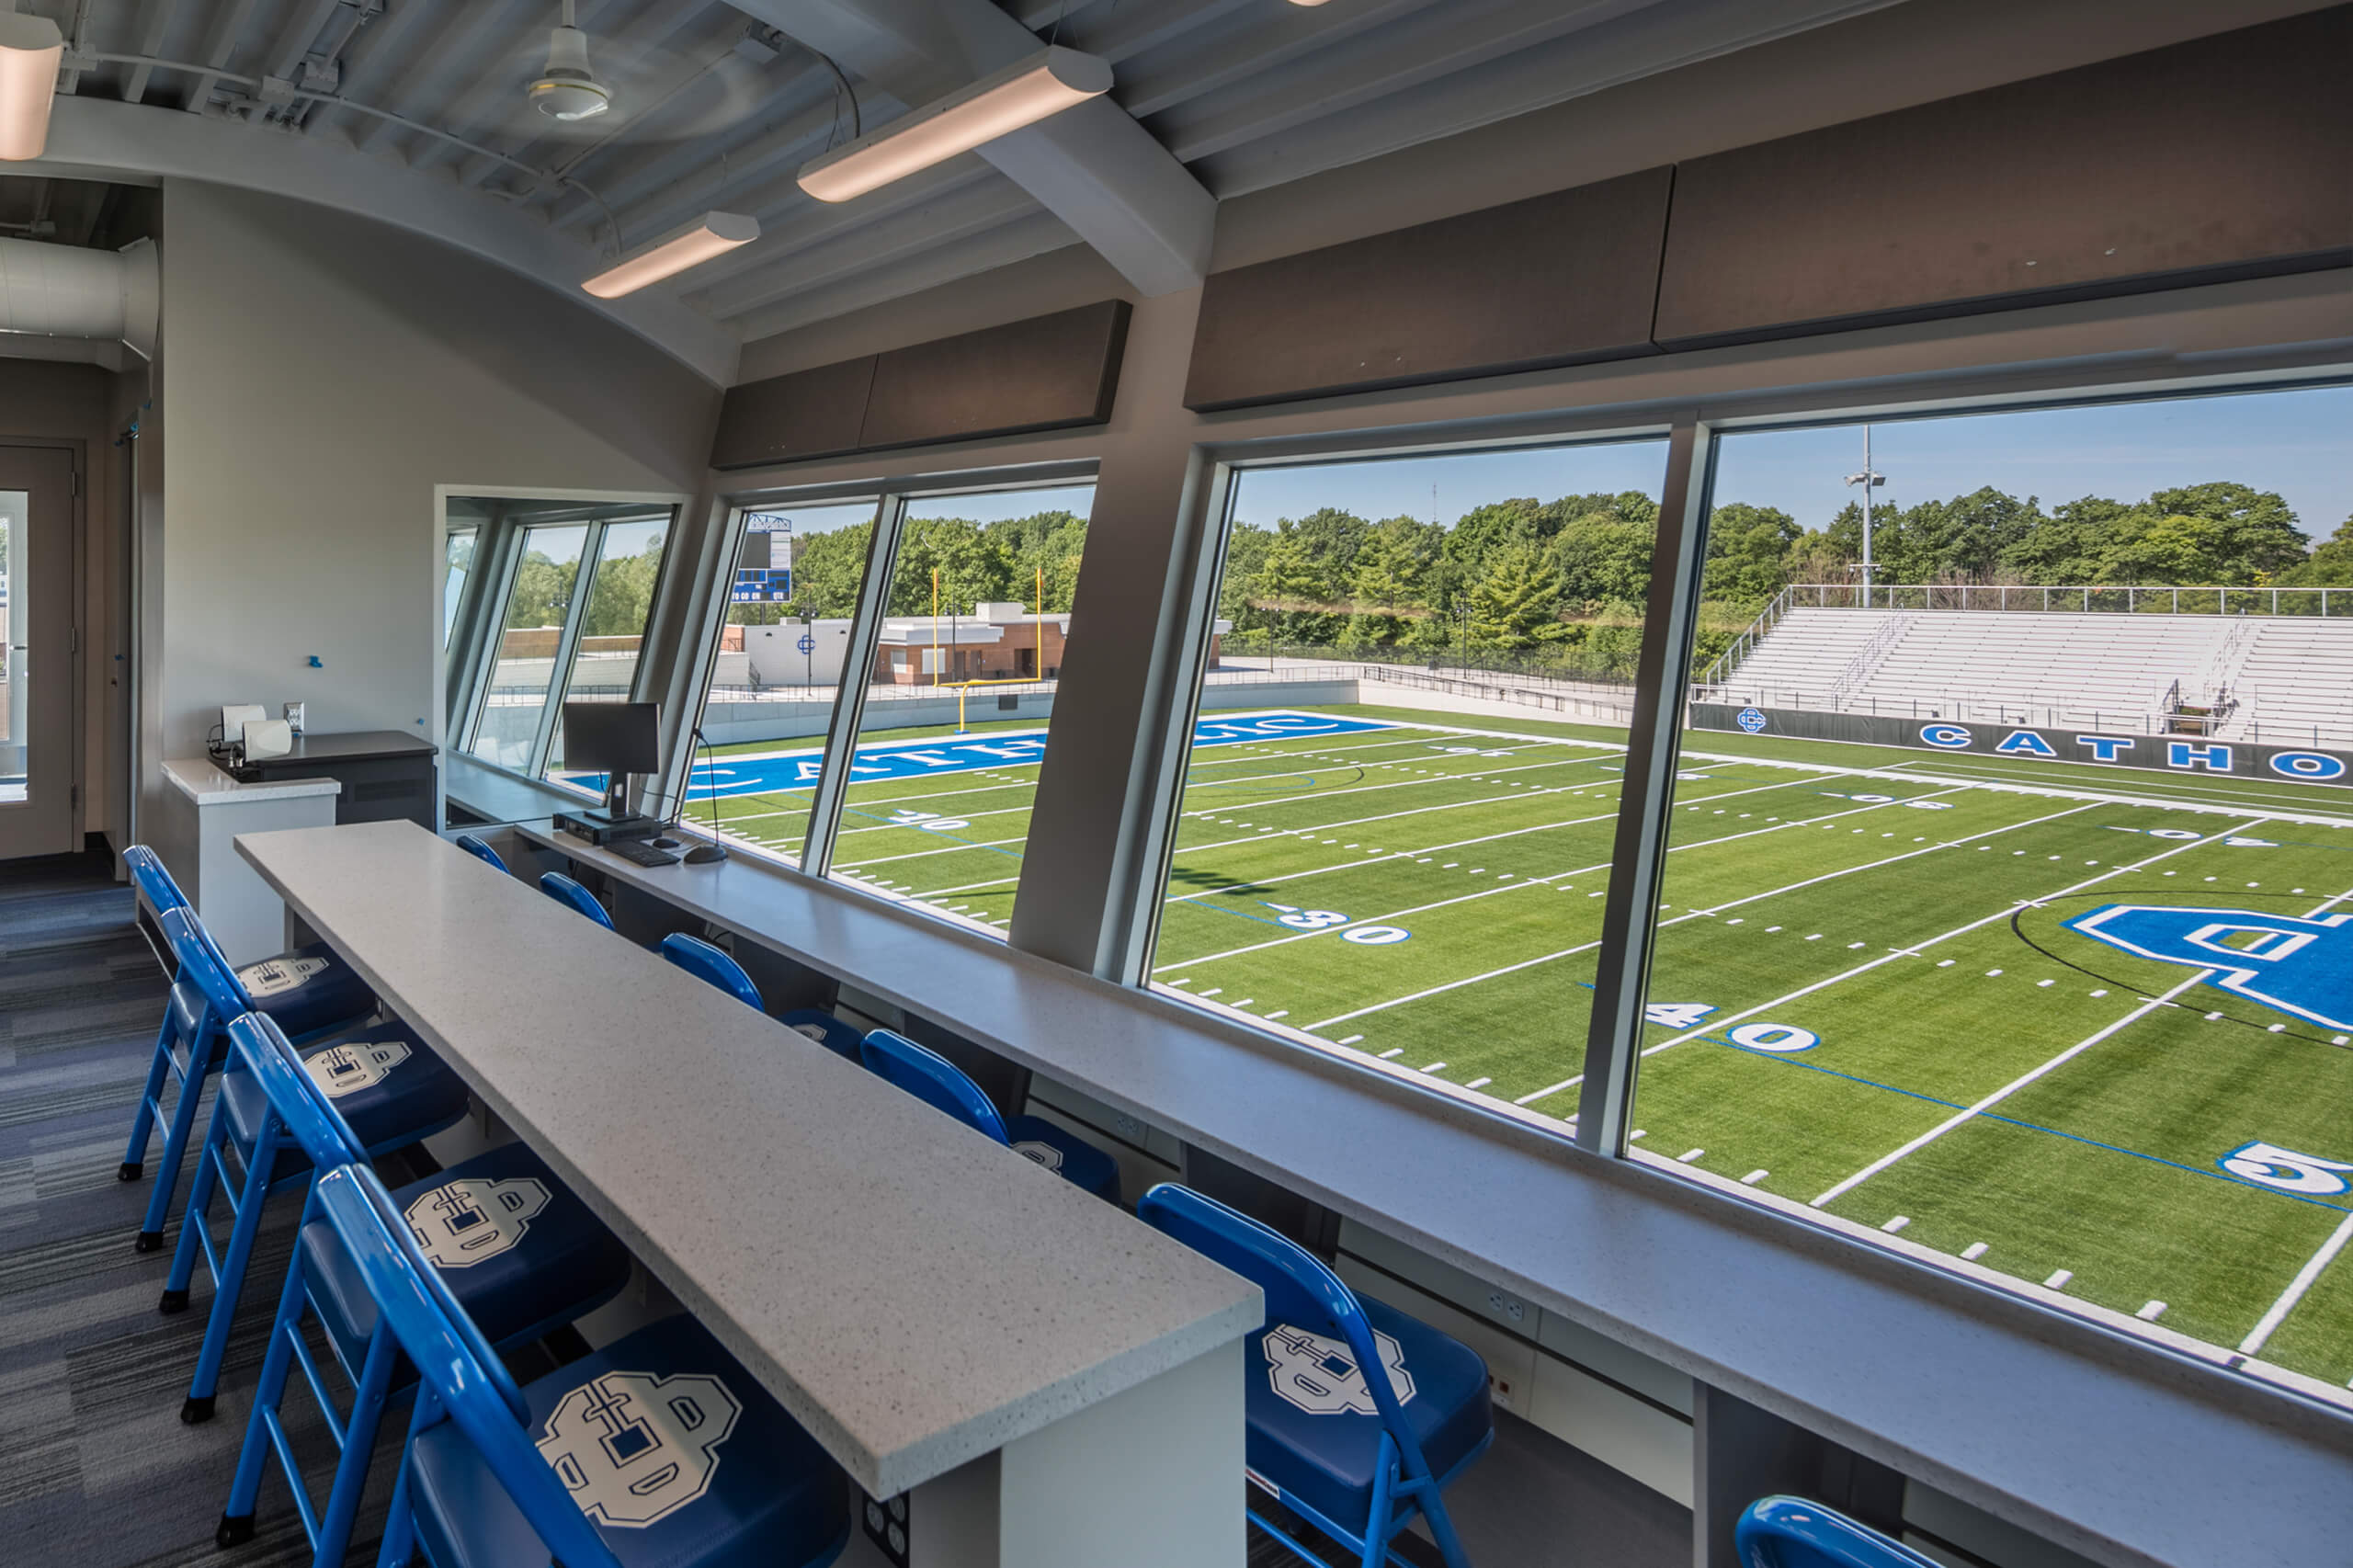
[637, 852]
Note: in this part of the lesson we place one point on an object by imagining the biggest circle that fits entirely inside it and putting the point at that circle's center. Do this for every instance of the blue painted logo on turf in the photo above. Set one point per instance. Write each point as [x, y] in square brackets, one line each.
[775, 772]
[2300, 967]
[1751, 719]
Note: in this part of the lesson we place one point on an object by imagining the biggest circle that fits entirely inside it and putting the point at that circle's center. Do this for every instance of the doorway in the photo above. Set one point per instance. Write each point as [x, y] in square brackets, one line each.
[38, 647]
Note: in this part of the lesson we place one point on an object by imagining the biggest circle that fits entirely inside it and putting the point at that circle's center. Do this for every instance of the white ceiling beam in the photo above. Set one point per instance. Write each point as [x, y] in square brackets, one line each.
[672, 175]
[951, 219]
[91, 136]
[1092, 165]
[1017, 240]
[792, 221]
[1275, 137]
[369, 59]
[468, 32]
[296, 37]
[220, 43]
[150, 44]
[1280, 35]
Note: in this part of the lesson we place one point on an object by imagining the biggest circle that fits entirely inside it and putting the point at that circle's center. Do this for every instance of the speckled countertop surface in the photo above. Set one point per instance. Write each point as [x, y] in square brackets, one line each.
[915, 1294]
[196, 778]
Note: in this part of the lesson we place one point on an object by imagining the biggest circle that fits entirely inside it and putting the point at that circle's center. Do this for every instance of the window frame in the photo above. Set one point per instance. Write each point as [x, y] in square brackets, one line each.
[469, 656]
[1640, 834]
[891, 496]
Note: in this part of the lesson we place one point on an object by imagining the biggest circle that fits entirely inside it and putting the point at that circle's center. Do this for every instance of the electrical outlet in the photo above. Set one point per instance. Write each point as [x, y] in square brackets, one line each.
[1129, 1128]
[1511, 1307]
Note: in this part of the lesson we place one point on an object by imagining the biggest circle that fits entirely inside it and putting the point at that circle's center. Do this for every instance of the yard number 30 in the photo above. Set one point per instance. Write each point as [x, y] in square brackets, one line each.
[2286, 1169]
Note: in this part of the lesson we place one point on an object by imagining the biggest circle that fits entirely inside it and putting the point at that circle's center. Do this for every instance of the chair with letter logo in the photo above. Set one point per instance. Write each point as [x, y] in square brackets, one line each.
[516, 1253]
[311, 992]
[939, 1083]
[1355, 1452]
[391, 1088]
[706, 962]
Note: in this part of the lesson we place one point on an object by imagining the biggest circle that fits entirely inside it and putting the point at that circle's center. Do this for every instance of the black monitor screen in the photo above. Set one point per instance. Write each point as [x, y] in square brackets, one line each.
[612, 737]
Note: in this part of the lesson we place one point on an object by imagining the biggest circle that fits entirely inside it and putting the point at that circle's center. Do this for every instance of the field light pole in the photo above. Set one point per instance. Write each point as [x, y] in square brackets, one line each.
[1867, 478]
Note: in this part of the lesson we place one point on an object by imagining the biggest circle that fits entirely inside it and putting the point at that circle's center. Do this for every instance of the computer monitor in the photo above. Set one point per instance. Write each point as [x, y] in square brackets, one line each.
[616, 739]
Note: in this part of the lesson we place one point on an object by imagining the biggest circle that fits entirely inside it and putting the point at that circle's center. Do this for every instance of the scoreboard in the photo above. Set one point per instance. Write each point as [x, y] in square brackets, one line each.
[762, 584]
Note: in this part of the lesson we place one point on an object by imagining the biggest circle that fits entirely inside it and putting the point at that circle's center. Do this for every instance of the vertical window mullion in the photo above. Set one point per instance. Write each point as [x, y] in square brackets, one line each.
[591, 550]
[1630, 917]
[507, 560]
[857, 675]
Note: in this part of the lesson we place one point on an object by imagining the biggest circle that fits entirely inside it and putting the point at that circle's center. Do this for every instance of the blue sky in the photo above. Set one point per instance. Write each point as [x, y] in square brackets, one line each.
[2298, 443]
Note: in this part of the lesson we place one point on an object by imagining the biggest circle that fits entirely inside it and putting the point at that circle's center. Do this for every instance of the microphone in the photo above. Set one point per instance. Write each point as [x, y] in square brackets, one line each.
[713, 852]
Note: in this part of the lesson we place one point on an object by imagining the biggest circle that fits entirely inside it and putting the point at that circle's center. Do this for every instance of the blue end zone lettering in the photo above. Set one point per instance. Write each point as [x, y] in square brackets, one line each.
[2104, 748]
[1951, 737]
[2300, 967]
[2307, 765]
[773, 773]
[2026, 743]
[2215, 758]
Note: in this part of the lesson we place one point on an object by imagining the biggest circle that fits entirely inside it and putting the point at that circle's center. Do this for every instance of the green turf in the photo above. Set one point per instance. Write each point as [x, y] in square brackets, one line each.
[1917, 934]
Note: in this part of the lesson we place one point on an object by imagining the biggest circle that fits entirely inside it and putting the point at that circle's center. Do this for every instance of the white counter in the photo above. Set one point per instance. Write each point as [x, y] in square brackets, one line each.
[203, 812]
[929, 1304]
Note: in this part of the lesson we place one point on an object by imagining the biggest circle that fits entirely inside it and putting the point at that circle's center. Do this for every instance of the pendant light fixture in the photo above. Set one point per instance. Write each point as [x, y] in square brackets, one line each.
[712, 235]
[30, 51]
[1022, 94]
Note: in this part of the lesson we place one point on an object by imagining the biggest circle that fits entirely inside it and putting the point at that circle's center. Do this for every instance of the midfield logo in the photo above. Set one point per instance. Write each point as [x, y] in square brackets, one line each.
[633, 1449]
[462, 1223]
[2298, 966]
[1319, 1375]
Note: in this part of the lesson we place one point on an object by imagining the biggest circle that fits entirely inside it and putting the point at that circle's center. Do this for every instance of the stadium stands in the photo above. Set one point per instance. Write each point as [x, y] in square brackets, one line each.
[2289, 678]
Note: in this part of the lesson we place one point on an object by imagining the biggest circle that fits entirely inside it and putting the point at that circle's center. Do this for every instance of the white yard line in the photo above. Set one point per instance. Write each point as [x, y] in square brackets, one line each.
[1912, 950]
[2036, 1074]
[1551, 876]
[2014, 1086]
[1678, 920]
[1609, 816]
[2305, 1278]
[1469, 775]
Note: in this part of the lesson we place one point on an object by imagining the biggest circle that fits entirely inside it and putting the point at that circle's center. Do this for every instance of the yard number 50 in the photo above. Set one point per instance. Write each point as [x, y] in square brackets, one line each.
[2286, 1169]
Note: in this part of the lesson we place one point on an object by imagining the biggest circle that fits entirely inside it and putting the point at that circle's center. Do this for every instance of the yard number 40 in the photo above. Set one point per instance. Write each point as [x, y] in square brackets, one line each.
[2286, 1169]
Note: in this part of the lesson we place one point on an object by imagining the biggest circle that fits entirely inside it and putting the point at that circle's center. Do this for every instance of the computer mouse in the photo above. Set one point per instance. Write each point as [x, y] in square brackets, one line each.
[664, 842]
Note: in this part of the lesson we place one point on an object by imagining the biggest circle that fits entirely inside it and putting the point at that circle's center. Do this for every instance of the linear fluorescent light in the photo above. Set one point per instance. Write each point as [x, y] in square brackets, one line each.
[30, 50]
[713, 234]
[1022, 94]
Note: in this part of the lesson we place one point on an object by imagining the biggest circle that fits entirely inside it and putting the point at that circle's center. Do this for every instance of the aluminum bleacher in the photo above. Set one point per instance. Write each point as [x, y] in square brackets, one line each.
[2294, 686]
[2289, 678]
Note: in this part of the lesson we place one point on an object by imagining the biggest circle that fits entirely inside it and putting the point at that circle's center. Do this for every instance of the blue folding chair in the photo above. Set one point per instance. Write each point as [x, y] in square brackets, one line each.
[517, 1254]
[394, 1090]
[1790, 1532]
[940, 1083]
[659, 1448]
[565, 890]
[311, 992]
[713, 963]
[481, 851]
[1355, 1456]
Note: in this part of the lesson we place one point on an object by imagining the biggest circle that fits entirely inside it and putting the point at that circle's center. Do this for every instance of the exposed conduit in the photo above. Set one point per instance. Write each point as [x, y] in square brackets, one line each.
[68, 292]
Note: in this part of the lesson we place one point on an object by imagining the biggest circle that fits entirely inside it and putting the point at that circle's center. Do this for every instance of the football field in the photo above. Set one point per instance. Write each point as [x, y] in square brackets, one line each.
[2087, 1028]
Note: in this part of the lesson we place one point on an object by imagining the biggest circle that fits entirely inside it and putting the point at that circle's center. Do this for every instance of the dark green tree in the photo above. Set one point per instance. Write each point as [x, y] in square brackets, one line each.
[1515, 603]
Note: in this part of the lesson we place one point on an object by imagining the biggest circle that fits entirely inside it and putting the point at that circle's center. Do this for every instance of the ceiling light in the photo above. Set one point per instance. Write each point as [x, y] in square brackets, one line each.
[567, 89]
[713, 234]
[30, 50]
[1022, 94]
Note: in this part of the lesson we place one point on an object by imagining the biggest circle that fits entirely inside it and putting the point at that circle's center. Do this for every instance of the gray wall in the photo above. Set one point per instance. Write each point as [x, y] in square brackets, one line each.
[323, 374]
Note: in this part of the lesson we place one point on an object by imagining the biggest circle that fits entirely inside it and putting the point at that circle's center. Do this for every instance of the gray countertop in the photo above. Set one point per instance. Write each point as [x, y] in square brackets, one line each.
[915, 1294]
[2117, 1449]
